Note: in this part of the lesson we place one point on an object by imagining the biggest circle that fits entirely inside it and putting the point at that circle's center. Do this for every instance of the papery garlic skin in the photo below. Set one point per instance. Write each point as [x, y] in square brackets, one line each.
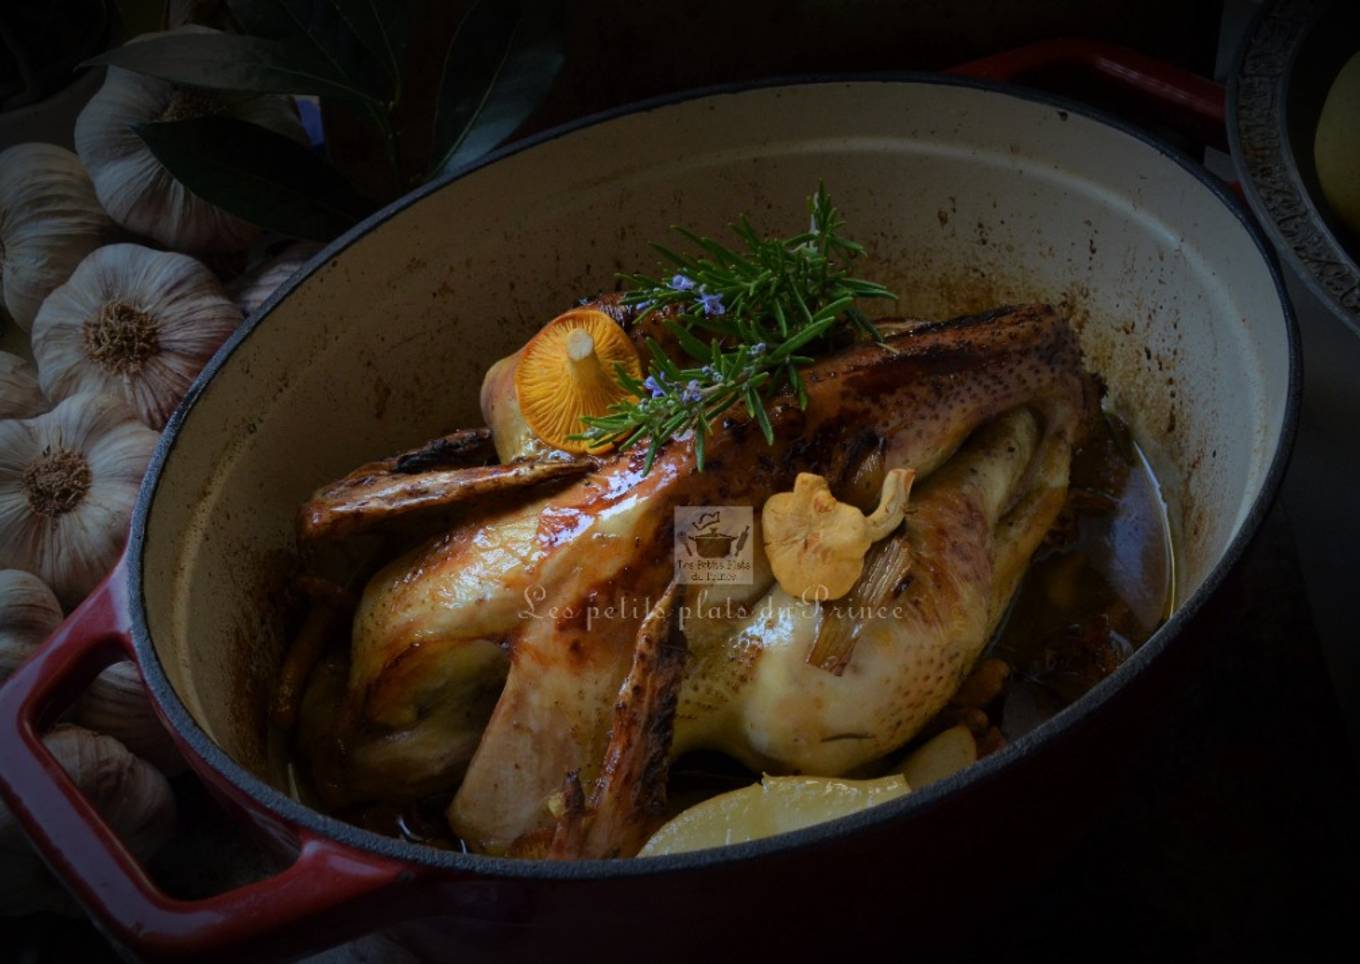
[132, 797]
[29, 612]
[136, 189]
[20, 396]
[50, 219]
[134, 323]
[68, 482]
[117, 704]
[253, 288]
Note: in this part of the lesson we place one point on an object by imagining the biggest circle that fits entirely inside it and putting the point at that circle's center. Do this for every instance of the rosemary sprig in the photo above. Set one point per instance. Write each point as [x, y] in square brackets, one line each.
[749, 319]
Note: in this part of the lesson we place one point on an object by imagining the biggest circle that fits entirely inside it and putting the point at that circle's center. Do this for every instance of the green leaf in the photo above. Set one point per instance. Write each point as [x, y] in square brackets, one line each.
[693, 346]
[757, 408]
[256, 174]
[500, 64]
[679, 260]
[229, 62]
[388, 33]
[359, 41]
[660, 359]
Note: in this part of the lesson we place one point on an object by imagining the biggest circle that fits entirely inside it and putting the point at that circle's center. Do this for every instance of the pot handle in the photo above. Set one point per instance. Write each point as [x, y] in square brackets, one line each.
[270, 917]
[1196, 105]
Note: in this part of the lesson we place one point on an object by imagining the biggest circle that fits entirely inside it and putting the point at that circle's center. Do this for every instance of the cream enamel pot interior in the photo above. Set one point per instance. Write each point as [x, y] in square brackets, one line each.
[967, 196]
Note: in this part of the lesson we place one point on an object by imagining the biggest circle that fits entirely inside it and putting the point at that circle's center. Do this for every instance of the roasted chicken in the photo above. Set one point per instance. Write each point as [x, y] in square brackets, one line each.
[538, 656]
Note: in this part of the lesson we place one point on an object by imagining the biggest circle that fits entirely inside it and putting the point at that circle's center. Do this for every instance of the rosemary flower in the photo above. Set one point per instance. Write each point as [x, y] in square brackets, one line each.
[711, 303]
[747, 321]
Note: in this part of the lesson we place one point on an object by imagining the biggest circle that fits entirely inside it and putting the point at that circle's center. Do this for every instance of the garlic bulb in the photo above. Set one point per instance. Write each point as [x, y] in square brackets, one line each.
[253, 288]
[49, 220]
[116, 704]
[28, 614]
[20, 396]
[133, 798]
[134, 323]
[136, 189]
[68, 481]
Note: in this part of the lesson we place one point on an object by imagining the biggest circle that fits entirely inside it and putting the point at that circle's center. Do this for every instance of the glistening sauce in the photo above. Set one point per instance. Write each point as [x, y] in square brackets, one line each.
[1100, 586]
[1102, 583]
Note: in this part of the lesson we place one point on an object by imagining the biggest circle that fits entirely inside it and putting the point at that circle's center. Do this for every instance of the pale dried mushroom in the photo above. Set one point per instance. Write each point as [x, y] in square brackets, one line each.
[131, 795]
[134, 323]
[136, 189]
[68, 481]
[816, 544]
[20, 396]
[568, 371]
[49, 220]
[28, 614]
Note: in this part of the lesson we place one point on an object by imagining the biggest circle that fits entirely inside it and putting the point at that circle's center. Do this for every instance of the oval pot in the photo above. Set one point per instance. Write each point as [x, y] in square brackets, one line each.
[967, 195]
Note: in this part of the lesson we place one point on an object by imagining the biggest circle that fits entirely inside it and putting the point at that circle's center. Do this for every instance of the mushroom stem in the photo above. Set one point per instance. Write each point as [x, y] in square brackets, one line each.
[892, 503]
[580, 345]
[585, 363]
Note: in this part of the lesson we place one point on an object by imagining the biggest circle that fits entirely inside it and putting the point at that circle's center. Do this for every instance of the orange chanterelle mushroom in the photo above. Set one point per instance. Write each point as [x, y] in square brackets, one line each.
[569, 370]
[816, 544]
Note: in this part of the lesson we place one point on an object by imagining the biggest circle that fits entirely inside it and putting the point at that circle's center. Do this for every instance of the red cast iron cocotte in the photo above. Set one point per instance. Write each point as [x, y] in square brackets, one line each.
[967, 195]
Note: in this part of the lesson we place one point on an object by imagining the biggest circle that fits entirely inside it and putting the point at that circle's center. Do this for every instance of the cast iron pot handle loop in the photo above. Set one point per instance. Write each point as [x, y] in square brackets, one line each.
[1194, 104]
[266, 917]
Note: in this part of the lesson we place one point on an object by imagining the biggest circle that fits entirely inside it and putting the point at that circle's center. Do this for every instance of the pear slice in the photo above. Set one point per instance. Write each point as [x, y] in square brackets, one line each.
[774, 805]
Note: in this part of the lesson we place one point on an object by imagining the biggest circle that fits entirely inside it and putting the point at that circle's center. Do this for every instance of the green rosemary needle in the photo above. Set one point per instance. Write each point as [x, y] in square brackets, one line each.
[749, 319]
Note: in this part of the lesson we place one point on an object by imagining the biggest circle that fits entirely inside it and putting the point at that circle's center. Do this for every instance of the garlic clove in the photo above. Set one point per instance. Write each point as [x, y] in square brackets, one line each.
[20, 396]
[133, 323]
[29, 612]
[117, 704]
[50, 219]
[134, 799]
[253, 288]
[68, 481]
[136, 189]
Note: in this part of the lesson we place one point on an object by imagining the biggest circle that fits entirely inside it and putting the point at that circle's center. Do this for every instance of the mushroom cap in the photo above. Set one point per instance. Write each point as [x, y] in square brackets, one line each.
[568, 370]
[815, 544]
